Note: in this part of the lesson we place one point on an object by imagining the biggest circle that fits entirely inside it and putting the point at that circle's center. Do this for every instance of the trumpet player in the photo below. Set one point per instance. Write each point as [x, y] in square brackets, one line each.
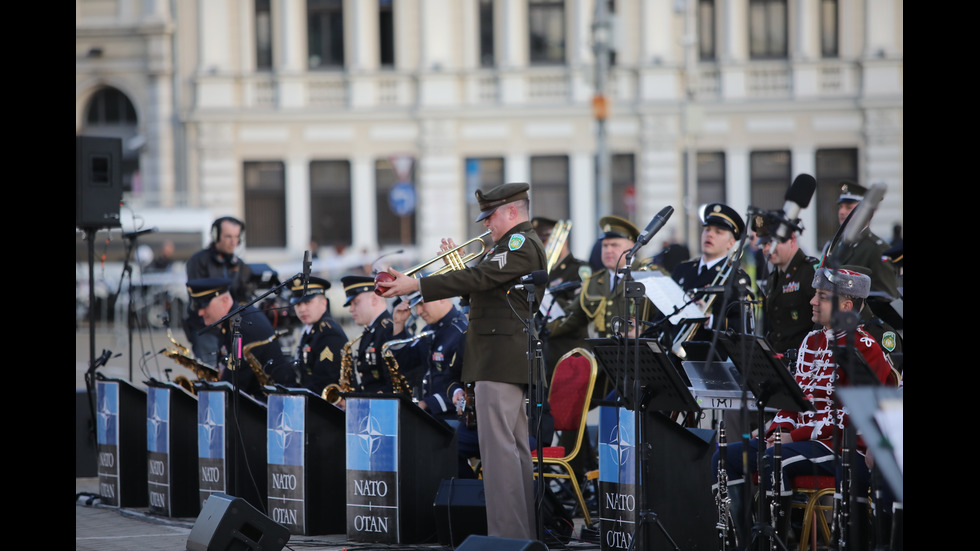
[211, 299]
[496, 350]
[322, 342]
[370, 311]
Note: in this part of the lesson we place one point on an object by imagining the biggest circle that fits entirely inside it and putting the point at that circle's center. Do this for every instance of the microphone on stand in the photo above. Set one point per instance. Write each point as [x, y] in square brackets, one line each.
[797, 198]
[652, 228]
[527, 283]
[307, 266]
[131, 235]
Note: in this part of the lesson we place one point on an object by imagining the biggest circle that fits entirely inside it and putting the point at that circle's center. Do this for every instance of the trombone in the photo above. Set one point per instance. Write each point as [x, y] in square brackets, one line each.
[453, 259]
[556, 242]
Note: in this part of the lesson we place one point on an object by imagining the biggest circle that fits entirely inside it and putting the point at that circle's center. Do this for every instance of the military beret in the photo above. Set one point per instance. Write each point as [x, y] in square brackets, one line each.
[722, 216]
[355, 285]
[614, 226]
[851, 192]
[500, 195]
[315, 286]
[202, 290]
[846, 282]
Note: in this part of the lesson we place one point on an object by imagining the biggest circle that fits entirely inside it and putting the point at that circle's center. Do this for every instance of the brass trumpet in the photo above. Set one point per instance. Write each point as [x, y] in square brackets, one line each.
[452, 258]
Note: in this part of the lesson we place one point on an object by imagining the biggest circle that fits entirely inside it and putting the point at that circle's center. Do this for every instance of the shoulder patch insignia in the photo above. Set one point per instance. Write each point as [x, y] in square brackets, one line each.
[888, 340]
[516, 241]
[584, 272]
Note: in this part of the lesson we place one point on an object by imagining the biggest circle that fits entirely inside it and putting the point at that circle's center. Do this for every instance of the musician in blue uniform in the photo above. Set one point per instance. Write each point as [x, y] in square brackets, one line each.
[433, 363]
[262, 360]
[370, 311]
[322, 342]
[722, 227]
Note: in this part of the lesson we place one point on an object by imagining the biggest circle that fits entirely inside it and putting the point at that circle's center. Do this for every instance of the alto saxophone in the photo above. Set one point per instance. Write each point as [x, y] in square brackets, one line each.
[260, 374]
[334, 392]
[398, 383]
[182, 356]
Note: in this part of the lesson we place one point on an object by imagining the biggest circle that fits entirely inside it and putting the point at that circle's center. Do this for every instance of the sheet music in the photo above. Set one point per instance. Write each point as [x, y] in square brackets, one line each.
[890, 419]
[667, 296]
[550, 307]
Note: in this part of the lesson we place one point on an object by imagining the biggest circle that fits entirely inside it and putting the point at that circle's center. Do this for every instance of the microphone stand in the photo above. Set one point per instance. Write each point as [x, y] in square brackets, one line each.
[127, 272]
[535, 363]
[635, 290]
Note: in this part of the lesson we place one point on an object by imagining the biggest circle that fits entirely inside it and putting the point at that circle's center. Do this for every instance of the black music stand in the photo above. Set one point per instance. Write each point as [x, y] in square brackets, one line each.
[653, 383]
[772, 385]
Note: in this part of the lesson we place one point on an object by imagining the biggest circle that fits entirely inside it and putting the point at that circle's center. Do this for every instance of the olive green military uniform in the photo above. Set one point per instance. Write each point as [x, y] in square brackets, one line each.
[496, 361]
[867, 251]
[788, 312]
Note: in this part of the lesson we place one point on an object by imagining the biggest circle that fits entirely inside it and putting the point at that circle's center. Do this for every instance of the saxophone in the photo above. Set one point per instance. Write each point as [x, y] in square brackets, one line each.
[334, 392]
[182, 356]
[398, 383]
[728, 539]
[260, 374]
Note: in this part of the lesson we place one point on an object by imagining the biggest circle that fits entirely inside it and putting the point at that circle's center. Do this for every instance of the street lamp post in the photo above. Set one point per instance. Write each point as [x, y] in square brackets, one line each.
[600, 108]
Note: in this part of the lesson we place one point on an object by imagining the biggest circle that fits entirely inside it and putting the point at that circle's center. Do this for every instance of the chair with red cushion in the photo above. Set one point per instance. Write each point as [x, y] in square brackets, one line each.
[569, 397]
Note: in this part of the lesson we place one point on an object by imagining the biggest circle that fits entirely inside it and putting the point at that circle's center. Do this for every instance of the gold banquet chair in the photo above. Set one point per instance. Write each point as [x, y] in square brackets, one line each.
[569, 396]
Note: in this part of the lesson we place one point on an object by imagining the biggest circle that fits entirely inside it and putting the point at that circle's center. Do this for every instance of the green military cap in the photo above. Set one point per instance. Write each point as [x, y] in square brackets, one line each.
[500, 195]
[614, 226]
[851, 192]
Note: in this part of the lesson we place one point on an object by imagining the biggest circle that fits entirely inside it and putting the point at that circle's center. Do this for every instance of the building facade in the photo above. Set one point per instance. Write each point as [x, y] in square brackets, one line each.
[369, 124]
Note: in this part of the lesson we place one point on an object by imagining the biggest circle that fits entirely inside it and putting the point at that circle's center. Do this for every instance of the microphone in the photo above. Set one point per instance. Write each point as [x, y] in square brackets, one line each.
[307, 266]
[652, 228]
[567, 286]
[712, 290]
[797, 198]
[133, 234]
[861, 216]
[527, 283]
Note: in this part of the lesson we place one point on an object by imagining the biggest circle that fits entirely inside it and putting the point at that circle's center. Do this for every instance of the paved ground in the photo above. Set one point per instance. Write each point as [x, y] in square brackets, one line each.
[100, 527]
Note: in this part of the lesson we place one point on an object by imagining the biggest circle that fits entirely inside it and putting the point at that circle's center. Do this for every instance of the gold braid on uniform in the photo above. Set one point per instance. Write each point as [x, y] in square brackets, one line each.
[598, 315]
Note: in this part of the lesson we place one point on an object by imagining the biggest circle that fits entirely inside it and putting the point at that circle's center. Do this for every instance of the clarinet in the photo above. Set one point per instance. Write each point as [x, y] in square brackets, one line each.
[844, 525]
[727, 538]
[775, 509]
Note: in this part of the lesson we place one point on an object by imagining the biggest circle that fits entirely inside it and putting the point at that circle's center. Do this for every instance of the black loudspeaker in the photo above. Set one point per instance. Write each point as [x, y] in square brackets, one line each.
[98, 182]
[460, 509]
[229, 523]
[484, 543]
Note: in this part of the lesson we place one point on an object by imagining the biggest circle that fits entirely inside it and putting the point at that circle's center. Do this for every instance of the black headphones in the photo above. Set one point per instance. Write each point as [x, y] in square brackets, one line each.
[216, 227]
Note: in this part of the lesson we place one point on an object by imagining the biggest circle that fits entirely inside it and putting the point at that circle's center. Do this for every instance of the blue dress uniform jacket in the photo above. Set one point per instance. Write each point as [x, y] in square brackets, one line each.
[370, 364]
[788, 312]
[433, 365]
[496, 344]
[686, 275]
[319, 353]
[255, 327]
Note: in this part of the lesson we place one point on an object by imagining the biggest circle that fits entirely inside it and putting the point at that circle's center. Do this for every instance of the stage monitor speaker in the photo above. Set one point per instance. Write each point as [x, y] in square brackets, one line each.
[485, 543]
[460, 510]
[228, 523]
[98, 182]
